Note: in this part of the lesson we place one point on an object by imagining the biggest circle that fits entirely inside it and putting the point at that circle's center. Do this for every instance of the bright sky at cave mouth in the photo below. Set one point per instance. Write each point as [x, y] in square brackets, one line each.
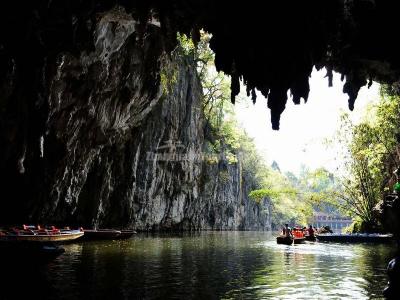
[304, 127]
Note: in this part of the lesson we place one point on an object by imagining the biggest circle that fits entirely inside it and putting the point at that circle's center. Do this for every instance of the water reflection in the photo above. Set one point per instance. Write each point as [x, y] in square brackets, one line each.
[211, 265]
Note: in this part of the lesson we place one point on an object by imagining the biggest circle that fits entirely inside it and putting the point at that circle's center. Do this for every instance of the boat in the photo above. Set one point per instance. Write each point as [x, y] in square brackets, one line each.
[289, 240]
[298, 236]
[299, 240]
[126, 234]
[41, 235]
[355, 238]
[101, 234]
[310, 238]
[286, 240]
[35, 242]
[108, 234]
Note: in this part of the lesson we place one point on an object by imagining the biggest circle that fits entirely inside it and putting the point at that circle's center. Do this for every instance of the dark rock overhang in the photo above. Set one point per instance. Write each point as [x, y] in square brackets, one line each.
[274, 45]
[271, 45]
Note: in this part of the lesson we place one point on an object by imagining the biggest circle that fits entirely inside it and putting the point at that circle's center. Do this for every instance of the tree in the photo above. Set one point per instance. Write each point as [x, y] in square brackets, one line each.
[369, 155]
[289, 203]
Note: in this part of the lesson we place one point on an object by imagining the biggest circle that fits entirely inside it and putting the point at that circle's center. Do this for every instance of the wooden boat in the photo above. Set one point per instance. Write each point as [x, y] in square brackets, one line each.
[286, 240]
[298, 236]
[355, 238]
[299, 240]
[108, 234]
[41, 237]
[126, 234]
[101, 234]
[289, 240]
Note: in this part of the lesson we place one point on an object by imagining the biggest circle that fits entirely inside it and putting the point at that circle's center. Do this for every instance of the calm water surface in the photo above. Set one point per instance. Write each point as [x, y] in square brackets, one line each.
[210, 265]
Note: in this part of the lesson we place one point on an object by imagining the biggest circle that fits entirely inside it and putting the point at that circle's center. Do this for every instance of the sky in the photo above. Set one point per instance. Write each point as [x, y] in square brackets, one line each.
[304, 127]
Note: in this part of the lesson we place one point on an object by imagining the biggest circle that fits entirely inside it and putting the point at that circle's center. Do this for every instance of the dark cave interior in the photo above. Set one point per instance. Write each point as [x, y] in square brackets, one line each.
[271, 46]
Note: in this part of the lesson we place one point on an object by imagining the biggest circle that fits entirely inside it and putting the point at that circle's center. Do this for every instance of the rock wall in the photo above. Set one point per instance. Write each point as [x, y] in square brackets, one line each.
[113, 135]
[225, 195]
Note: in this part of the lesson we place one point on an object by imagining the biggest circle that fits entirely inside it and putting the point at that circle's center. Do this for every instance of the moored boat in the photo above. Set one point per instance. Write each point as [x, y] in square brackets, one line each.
[41, 237]
[126, 234]
[355, 238]
[101, 234]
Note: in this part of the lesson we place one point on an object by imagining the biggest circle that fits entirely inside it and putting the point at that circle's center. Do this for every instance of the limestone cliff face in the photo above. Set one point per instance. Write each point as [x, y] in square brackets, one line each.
[114, 136]
[226, 198]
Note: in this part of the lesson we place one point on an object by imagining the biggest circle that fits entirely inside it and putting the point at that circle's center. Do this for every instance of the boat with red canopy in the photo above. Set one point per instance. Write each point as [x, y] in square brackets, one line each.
[39, 234]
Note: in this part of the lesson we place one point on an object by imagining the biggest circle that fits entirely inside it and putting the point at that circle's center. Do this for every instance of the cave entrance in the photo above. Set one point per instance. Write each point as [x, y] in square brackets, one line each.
[112, 114]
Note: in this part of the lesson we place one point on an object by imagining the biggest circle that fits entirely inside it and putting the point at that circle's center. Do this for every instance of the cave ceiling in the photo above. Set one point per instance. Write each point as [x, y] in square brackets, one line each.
[272, 46]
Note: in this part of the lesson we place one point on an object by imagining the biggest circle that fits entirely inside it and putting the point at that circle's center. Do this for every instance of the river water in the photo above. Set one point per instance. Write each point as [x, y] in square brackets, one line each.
[208, 265]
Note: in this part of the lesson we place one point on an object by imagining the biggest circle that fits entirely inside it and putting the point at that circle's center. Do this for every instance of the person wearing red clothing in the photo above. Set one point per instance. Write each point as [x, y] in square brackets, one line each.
[311, 231]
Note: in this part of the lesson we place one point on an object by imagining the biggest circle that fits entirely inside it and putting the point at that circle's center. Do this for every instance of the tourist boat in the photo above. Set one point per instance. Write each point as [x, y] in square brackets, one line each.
[310, 238]
[355, 238]
[298, 236]
[40, 236]
[299, 240]
[285, 240]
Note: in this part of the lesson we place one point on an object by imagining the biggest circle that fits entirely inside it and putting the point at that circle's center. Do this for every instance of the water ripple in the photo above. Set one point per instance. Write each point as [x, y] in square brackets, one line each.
[210, 265]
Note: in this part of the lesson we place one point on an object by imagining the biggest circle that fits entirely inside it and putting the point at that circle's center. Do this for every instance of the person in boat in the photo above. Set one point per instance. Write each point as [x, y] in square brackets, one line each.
[310, 231]
[298, 232]
[325, 229]
[287, 231]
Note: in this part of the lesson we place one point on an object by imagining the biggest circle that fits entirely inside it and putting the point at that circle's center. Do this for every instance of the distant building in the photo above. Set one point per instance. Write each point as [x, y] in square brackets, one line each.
[335, 222]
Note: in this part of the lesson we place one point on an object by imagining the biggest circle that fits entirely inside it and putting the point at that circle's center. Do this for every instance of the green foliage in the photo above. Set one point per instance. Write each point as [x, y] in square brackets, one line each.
[216, 85]
[168, 78]
[290, 202]
[186, 44]
[353, 227]
[168, 75]
[317, 186]
[260, 194]
[229, 138]
[369, 157]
